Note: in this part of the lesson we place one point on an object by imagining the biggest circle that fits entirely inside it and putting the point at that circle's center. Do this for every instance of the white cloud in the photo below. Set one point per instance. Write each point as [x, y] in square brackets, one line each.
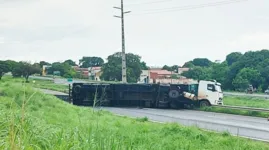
[61, 29]
[2, 40]
[251, 41]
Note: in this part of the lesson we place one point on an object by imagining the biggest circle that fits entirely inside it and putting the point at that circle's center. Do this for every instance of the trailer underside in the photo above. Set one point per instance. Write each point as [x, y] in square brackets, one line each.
[131, 95]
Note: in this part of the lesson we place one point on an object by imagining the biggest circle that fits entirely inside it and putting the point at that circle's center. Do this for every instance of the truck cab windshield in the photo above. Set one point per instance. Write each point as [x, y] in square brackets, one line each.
[218, 88]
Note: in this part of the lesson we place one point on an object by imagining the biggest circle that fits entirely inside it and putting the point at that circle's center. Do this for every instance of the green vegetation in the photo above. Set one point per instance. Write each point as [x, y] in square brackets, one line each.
[112, 70]
[43, 84]
[241, 101]
[50, 85]
[32, 120]
[236, 111]
[246, 101]
[236, 72]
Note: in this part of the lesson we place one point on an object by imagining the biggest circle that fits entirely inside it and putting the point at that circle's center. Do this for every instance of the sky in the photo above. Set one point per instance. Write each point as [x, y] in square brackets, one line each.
[160, 31]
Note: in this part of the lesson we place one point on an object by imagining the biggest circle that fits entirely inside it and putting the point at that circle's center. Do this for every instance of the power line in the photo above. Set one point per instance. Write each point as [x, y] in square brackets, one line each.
[201, 5]
[146, 3]
[190, 7]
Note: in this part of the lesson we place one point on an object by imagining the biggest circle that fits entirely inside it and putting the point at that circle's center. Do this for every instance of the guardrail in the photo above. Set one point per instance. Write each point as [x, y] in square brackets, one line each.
[243, 108]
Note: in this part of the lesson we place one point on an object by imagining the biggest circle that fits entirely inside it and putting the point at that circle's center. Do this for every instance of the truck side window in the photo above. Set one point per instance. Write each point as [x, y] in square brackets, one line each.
[211, 87]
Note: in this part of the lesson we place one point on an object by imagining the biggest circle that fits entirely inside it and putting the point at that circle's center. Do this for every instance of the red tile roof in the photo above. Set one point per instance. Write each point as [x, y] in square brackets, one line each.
[96, 68]
[161, 72]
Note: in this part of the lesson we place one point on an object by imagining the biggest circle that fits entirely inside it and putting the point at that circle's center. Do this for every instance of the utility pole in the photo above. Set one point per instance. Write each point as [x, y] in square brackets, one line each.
[124, 76]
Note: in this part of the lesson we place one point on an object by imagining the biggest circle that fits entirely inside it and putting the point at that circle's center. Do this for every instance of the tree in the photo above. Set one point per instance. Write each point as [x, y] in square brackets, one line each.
[171, 68]
[165, 67]
[198, 73]
[202, 62]
[245, 77]
[25, 69]
[70, 62]
[4, 68]
[265, 78]
[87, 62]
[233, 57]
[12, 64]
[219, 72]
[43, 63]
[144, 66]
[64, 68]
[188, 64]
[112, 70]
[253, 76]
[240, 83]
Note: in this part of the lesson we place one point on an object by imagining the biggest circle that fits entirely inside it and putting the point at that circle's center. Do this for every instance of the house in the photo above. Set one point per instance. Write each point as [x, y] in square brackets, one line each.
[181, 70]
[84, 72]
[95, 73]
[161, 76]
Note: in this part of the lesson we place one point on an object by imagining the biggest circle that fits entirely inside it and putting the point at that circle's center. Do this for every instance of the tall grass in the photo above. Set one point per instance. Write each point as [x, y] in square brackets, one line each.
[33, 120]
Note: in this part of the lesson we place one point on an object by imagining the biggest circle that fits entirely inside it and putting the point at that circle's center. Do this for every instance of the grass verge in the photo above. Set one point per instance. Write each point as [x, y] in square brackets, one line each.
[33, 120]
[246, 101]
[235, 112]
[241, 101]
[37, 83]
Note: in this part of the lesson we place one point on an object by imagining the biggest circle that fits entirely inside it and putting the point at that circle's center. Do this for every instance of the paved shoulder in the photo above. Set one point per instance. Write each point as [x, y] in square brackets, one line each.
[251, 127]
[51, 92]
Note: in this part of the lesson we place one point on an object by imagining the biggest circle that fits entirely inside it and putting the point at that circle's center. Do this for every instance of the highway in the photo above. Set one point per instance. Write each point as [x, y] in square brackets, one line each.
[244, 126]
[249, 127]
[64, 82]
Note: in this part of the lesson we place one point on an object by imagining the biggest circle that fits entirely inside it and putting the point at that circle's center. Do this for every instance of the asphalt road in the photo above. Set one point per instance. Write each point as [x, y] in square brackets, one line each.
[50, 92]
[250, 127]
[59, 80]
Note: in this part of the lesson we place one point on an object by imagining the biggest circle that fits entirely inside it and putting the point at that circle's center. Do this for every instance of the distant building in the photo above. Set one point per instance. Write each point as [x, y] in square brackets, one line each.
[95, 73]
[144, 76]
[84, 72]
[160, 74]
[181, 70]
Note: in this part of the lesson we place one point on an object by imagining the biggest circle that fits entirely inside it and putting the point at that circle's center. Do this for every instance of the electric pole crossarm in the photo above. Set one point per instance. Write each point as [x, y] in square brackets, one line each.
[117, 16]
[117, 7]
[127, 12]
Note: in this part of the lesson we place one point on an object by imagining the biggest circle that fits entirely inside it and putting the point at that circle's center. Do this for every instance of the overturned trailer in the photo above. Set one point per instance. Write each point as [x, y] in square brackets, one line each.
[204, 93]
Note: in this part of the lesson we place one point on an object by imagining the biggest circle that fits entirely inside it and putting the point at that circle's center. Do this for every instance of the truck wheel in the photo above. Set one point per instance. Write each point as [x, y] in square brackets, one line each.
[204, 104]
[173, 94]
[77, 89]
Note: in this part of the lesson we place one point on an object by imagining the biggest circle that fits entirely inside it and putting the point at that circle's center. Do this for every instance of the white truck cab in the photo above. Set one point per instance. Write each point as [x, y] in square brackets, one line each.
[210, 93]
[205, 93]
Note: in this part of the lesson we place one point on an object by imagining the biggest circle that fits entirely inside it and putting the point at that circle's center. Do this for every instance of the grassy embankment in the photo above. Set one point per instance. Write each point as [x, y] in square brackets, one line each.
[242, 101]
[42, 84]
[32, 120]
[228, 100]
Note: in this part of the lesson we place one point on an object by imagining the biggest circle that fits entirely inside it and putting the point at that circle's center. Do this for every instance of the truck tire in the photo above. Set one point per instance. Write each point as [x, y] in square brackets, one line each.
[204, 103]
[173, 94]
[77, 89]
